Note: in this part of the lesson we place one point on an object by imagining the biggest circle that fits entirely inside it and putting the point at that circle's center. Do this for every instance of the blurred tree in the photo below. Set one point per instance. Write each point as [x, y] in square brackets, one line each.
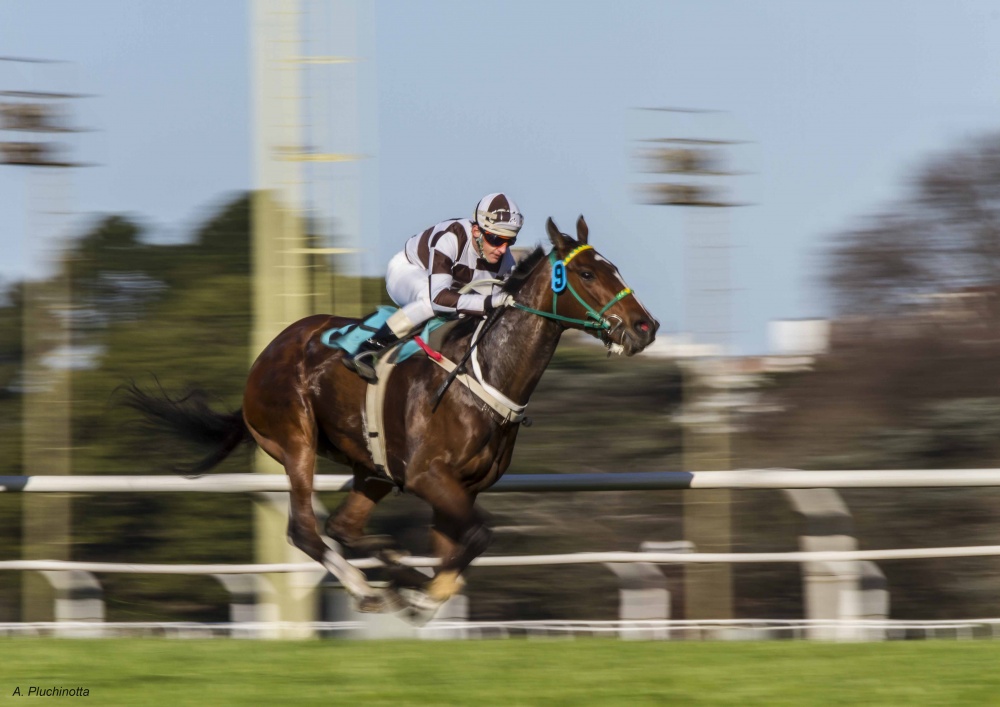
[943, 237]
[910, 382]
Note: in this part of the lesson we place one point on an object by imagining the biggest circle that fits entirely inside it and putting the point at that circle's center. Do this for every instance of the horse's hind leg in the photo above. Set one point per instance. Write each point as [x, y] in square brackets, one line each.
[298, 456]
[302, 530]
[346, 524]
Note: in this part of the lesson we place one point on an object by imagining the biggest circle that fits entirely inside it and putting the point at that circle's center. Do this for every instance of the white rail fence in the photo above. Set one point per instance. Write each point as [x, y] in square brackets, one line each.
[742, 479]
[734, 629]
[629, 481]
[575, 558]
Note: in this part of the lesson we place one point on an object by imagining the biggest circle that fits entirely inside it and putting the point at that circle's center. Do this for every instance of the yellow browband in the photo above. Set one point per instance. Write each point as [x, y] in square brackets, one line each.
[576, 251]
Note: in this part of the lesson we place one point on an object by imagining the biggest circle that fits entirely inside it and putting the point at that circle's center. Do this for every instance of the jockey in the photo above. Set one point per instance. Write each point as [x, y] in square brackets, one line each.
[425, 277]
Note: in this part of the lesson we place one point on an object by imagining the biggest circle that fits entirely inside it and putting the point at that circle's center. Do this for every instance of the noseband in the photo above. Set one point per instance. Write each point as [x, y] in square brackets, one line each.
[560, 282]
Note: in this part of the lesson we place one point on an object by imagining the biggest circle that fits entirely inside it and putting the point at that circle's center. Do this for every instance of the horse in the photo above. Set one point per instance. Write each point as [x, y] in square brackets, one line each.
[442, 443]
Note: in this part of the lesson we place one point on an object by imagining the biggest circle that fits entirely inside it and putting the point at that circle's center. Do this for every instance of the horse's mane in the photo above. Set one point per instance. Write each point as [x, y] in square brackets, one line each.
[521, 271]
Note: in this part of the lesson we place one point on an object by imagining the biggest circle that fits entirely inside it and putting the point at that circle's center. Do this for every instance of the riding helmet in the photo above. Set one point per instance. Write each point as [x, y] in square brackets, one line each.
[498, 214]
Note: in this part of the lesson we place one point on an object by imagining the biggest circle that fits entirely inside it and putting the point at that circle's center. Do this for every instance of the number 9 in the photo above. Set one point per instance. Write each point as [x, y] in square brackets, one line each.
[558, 277]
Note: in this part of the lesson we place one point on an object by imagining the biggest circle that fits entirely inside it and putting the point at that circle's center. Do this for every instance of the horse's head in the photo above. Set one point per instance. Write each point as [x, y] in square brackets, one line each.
[585, 291]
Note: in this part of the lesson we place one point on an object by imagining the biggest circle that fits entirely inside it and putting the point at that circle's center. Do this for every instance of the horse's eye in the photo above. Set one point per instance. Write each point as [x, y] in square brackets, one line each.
[586, 275]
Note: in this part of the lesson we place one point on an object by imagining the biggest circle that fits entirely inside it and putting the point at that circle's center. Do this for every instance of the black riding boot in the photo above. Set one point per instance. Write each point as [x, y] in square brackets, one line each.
[363, 362]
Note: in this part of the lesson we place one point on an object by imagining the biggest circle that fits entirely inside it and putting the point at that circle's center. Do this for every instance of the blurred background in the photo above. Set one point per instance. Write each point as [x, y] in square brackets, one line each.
[807, 197]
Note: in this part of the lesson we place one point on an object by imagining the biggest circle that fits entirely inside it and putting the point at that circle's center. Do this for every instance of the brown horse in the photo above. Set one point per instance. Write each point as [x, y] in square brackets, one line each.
[300, 402]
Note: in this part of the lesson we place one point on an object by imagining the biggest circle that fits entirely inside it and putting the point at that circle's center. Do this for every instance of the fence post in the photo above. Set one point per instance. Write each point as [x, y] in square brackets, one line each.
[839, 591]
[78, 597]
[247, 604]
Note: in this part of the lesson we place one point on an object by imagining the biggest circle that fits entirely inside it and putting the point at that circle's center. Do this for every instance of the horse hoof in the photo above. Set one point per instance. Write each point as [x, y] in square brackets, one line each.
[382, 602]
[419, 608]
[351, 577]
[372, 604]
[416, 617]
[444, 586]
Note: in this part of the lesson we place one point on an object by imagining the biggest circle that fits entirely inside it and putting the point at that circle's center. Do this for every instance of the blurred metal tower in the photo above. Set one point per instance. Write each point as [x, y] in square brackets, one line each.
[302, 263]
[28, 120]
[695, 166]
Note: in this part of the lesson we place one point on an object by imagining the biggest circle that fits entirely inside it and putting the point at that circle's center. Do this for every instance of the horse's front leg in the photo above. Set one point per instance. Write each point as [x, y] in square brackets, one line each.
[459, 533]
[457, 545]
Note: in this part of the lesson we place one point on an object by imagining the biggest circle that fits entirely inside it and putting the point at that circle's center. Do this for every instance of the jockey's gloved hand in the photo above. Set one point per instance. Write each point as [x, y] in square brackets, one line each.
[498, 299]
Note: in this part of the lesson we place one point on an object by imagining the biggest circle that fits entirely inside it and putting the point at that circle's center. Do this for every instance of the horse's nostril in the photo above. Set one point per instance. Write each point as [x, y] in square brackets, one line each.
[644, 331]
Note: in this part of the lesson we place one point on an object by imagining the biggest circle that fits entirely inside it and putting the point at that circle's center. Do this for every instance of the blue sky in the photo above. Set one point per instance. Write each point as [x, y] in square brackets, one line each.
[838, 102]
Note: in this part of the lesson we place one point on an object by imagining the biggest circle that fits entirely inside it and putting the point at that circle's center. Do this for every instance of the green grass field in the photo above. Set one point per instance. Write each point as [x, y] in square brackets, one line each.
[502, 672]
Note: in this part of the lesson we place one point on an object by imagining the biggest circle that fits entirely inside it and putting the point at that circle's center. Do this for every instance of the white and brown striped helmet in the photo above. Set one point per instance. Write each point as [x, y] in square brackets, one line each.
[499, 215]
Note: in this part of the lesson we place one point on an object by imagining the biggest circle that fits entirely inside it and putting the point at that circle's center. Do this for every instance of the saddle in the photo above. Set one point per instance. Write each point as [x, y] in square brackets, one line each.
[426, 343]
[349, 338]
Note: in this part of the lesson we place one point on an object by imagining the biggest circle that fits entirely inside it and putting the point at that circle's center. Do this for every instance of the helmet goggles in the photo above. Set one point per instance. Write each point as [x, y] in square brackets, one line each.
[496, 240]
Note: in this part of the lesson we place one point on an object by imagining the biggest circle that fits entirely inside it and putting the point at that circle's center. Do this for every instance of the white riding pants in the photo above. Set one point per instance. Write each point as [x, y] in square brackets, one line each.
[408, 287]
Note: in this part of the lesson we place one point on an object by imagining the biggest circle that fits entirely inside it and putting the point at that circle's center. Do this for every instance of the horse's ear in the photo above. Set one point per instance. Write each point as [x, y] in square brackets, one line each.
[582, 230]
[559, 241]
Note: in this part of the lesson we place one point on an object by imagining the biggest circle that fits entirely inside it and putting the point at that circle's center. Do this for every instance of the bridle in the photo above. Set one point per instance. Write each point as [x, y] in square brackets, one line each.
[596, 319]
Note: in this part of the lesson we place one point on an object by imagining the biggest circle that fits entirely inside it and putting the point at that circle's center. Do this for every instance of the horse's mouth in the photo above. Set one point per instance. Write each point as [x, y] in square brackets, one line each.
[628, 339]
[624, 344]
[631, 346]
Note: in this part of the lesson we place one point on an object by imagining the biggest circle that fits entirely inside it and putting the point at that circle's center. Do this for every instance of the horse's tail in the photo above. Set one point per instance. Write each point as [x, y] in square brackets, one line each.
[191, 418]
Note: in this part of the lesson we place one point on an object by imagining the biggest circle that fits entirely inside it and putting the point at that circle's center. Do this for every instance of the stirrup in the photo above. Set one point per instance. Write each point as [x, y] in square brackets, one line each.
[364, 369]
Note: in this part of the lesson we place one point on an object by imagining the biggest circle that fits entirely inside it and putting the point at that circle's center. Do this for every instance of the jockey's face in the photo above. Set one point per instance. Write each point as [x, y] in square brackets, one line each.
[491, 253]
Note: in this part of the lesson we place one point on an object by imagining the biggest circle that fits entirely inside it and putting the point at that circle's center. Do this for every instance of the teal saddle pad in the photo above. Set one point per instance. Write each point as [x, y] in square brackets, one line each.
[350, 337]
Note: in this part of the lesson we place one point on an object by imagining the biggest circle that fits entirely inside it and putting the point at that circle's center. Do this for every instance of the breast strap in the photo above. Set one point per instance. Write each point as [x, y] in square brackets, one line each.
[508, 411]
